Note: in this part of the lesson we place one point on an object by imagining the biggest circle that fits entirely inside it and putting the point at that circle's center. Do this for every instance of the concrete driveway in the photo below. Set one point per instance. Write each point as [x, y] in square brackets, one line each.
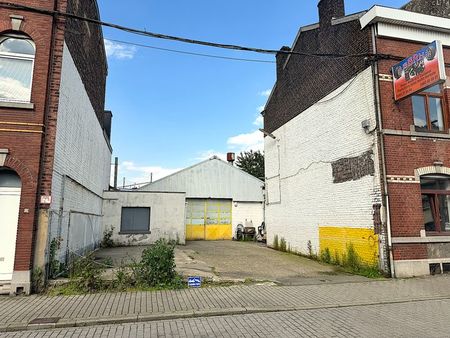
[230, 261]
[240, 261]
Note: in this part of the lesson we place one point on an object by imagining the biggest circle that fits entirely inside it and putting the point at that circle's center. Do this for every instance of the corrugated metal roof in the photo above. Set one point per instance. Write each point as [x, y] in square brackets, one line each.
[212, 178]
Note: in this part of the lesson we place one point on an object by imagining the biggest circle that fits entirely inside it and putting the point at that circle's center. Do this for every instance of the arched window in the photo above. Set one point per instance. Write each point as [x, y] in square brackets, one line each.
[436, 202]
[16, 68]
[9, 179]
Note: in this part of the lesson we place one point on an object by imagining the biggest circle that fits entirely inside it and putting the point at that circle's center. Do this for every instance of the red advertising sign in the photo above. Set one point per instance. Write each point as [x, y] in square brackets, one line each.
[419, 71]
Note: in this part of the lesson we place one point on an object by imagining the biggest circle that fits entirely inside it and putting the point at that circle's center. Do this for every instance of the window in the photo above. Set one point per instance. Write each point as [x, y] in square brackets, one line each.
[135, 221]
[429, 110]
[436, 202]
[9, 179]
[16, 68]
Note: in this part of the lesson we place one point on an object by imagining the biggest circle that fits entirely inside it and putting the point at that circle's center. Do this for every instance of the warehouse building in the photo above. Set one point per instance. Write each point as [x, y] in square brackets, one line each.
[212, 197]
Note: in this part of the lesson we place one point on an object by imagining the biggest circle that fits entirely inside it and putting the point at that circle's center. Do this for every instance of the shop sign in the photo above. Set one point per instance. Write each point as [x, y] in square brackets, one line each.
[422, 70]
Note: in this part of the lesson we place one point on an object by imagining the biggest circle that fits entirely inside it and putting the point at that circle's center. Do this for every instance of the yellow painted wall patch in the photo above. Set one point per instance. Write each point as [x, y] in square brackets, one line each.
[336, 239]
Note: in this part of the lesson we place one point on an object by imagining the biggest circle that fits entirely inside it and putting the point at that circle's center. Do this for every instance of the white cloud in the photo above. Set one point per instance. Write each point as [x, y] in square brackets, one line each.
[134, 173]
[246, 142]
[207, 154]
[259, 121]
[260, 109]
[239, 143]
[119, 51]
[266, 92]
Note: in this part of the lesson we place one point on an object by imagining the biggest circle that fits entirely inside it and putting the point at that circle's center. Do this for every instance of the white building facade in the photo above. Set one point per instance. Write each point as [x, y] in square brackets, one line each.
[307, 204]
[81, 170]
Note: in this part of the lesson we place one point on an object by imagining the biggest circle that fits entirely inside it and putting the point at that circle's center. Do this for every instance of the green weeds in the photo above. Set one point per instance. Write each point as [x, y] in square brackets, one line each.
[155, 271]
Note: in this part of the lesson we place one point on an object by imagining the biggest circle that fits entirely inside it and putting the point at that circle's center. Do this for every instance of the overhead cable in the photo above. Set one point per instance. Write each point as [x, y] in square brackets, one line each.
[188, 53]
[181, 39]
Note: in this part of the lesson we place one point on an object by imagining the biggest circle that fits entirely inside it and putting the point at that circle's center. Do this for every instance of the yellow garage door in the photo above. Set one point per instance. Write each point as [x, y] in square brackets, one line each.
[208, 219]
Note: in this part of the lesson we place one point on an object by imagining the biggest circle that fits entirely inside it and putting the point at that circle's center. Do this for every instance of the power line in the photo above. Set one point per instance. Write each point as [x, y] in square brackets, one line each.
[189, 53]
[181, 39]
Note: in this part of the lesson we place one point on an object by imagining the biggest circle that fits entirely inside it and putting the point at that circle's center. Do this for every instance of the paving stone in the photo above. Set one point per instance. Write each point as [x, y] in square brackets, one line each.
[155, 306]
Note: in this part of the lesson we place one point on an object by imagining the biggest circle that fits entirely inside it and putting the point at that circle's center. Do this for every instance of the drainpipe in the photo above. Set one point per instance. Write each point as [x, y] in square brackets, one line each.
[43, 218]
[383, 155]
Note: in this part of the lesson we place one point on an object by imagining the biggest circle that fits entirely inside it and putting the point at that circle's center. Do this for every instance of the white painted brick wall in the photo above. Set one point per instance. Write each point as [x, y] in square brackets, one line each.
[300, 188]
[167, 216]
[247, 212]
[82, 153]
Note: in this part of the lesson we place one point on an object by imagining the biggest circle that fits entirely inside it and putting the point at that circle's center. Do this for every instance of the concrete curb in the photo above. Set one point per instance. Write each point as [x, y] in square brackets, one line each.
[150, 317]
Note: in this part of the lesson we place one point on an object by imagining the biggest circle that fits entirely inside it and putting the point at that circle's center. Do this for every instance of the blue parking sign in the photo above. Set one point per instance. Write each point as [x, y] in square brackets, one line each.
[194, 282]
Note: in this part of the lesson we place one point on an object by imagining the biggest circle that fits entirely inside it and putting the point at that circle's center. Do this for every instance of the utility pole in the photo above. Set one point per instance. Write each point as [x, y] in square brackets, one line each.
[116, 168]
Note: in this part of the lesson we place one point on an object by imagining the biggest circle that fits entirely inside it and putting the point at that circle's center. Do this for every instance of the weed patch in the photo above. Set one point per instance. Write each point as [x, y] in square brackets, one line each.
[37, 280]
[157, 266]
[325, 256]
[54, 265]
[283, 245]
[350, 262]
[107, 241]
[155, 271]
[276, 244]
[86, 274]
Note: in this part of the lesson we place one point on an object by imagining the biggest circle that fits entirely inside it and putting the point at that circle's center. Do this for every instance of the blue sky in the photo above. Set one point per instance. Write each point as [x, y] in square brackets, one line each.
[172, 110]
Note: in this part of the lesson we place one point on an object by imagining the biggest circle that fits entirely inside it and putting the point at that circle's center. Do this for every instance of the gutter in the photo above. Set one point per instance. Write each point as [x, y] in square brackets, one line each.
[405, 18]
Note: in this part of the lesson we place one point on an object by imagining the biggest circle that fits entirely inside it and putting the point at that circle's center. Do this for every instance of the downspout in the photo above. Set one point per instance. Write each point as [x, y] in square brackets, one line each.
[46, 114]
[380, 135]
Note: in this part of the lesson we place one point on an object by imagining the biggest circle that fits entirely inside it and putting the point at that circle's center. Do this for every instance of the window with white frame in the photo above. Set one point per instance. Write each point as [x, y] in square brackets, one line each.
[16, 68]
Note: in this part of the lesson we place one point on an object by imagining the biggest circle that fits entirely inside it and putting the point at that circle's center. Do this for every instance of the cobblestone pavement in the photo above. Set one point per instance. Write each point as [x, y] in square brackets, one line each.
[410, 319]
[18, 313]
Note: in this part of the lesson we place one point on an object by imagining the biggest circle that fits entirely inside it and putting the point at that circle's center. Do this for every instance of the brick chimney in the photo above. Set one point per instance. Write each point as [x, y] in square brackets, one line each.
[330, 9]
[281, 59]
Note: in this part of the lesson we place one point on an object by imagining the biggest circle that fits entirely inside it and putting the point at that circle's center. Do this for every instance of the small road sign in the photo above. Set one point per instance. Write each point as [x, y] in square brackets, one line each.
[194, 282]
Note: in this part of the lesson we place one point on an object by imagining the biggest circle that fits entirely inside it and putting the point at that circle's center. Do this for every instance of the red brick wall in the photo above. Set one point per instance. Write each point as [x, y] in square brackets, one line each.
[406, 209]
[409, 251]
[25, 148]
[404, 155]
[398, 115]
[50, 116]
